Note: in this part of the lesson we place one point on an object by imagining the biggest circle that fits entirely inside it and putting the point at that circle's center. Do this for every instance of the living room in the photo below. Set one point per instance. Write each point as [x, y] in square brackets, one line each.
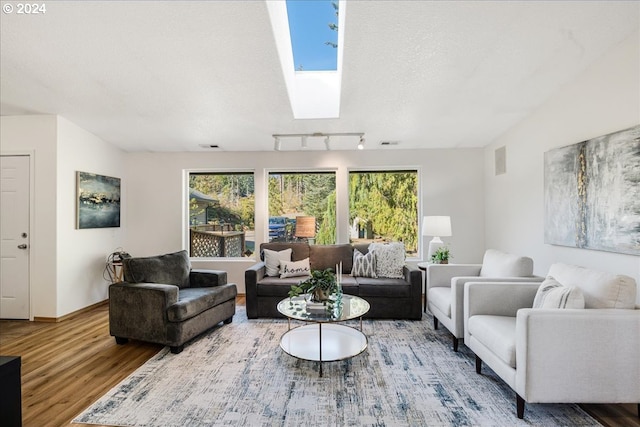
[505, 211]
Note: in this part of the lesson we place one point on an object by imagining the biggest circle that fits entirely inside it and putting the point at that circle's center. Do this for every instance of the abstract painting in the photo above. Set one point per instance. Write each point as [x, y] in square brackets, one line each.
[592, 193]
[98, 200]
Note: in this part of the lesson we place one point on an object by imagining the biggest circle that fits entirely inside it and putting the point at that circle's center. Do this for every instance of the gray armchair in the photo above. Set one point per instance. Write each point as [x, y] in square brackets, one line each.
[164, 301]
[445, 285]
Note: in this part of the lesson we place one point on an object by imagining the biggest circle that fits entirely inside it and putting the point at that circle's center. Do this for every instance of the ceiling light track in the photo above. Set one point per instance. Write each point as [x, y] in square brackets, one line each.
[278, 137]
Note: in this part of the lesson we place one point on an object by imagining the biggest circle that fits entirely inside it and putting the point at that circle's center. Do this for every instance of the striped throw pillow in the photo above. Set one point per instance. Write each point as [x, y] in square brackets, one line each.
[363, 265]
[552, 294]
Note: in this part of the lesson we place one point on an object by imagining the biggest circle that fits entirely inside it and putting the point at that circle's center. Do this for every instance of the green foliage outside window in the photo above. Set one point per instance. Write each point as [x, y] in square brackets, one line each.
[388, 203]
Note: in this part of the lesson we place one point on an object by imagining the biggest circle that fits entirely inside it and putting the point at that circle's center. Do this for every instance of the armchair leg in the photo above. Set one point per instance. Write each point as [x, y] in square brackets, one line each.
[519, 406]
[121, 341]
[177, 349]
[478, 365]
[455, 344]
[435, 322]
[229, 320]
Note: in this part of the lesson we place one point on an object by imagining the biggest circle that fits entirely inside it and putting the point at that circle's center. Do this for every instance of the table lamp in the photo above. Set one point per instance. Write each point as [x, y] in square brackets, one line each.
[436, 226]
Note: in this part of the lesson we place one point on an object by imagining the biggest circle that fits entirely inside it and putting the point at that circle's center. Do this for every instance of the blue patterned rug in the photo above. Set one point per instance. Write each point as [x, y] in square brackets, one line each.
[237, 375]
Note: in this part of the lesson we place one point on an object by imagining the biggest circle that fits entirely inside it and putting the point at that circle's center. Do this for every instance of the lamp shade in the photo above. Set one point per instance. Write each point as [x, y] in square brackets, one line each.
[439, 226]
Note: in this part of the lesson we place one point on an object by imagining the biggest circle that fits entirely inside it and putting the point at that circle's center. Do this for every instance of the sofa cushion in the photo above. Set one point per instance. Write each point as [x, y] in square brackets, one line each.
[389, 259]
[600, 289]
[272, 260]
[299, 250]
[501, 264]
[497, 333]
[552, 294]
[294, 268]
[193, 301]
[275, 286]
[441, 298]
[383, 287]
[363, 265]
[168, 269]
[328, 256]
[349, 285]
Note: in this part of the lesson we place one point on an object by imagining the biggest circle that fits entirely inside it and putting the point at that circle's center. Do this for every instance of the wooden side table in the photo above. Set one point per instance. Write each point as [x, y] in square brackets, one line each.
[423, 266]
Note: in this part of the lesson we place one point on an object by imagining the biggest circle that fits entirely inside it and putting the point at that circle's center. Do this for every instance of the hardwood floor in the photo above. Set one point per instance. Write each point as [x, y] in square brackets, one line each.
[67, 366]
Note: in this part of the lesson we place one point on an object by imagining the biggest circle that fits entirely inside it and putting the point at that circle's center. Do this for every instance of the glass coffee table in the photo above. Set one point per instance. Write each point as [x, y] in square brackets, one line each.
[323, 339]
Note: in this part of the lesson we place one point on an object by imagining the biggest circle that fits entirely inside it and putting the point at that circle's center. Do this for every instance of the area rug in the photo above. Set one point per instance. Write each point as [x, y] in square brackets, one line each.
[237, 374]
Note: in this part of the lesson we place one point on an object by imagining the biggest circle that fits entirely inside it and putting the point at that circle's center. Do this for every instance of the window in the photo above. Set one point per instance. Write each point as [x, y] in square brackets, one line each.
[302, 207]
[221, 215]
[383, 206]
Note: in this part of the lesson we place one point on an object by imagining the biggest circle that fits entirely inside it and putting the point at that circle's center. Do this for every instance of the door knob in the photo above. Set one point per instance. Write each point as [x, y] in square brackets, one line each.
[22, 246]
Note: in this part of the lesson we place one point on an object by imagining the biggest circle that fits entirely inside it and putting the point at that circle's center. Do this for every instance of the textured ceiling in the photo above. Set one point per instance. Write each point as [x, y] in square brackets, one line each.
[170, 76]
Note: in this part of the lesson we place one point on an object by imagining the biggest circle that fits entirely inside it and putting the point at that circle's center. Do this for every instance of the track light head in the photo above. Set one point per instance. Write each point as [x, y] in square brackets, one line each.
[361, 143]
[327, 139]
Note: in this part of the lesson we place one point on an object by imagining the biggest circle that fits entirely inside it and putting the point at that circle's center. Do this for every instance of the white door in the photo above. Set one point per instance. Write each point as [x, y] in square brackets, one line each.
[14, 236]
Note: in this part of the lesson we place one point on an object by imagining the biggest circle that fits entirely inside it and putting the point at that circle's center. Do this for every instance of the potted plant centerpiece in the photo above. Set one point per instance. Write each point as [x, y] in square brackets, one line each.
[441, 255]
[321, 286]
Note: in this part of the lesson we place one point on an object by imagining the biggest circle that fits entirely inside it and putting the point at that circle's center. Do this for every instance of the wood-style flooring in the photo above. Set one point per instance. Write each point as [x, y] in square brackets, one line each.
[66, 366]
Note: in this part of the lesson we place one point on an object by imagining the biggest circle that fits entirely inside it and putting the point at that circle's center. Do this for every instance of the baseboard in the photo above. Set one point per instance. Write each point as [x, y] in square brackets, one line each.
[70, 315]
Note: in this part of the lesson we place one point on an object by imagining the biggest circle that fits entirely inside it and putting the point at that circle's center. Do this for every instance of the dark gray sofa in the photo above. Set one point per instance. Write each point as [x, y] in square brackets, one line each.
[164, 301]
[389, 298]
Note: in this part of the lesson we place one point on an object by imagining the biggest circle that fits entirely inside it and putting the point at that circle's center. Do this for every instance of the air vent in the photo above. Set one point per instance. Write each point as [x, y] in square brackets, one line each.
[210, 146]
[387, 143]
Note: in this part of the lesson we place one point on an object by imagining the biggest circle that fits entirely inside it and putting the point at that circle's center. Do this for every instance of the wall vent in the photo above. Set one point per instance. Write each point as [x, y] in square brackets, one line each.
[387, 143]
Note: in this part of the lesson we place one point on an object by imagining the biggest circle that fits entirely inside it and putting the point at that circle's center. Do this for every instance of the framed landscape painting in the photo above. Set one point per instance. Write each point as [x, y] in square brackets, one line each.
[98, 201]
[592, 193]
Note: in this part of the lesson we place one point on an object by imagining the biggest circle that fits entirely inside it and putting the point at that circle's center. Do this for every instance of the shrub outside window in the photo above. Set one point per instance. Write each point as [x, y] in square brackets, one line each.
[383, 206]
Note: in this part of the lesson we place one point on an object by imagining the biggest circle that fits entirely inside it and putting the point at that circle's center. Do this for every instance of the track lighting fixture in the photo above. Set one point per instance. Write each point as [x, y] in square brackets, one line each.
[304, 143]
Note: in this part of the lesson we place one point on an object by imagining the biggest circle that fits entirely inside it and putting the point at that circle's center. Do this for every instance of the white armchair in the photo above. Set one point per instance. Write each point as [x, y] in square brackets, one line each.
[551, 355]
[445, 285]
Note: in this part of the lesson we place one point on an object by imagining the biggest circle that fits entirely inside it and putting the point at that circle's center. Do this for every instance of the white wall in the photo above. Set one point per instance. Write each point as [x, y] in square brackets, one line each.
[451, 184]
[82, 253]
[604, 99]
[66, 264]
[36, 135]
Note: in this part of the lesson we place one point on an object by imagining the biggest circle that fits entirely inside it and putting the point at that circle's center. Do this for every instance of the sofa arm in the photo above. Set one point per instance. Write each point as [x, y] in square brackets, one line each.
[252, 276]
[201, 278]
[441, 274]
[588, 355]
[139, 310]
[413, 276]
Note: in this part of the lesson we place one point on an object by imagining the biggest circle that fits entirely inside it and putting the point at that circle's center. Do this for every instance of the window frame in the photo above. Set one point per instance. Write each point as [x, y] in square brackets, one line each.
[300, 171]
[186, 223]
[417, 257]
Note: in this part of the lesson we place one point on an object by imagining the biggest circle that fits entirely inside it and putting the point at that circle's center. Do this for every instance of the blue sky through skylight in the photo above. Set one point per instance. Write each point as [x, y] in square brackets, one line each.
[309, 27]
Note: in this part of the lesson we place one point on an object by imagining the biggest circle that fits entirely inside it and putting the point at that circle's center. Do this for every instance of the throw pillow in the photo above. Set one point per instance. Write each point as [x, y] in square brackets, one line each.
[272, 260]
[389, 259]
[363, 265]
[294, 268]
[168, 269]
[552, 294]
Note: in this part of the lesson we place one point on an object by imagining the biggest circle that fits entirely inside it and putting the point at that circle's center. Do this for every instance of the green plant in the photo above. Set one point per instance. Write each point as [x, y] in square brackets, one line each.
[321, 284]
[441, 256]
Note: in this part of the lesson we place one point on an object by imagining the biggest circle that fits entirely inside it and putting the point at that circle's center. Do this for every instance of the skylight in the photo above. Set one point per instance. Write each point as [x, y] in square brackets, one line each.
[313, 26]
[313, 94]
